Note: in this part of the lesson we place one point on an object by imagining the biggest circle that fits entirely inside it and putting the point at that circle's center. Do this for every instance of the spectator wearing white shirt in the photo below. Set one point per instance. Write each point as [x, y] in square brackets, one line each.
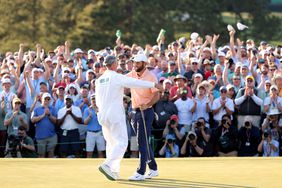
[185, 107]
[203, 104]
[222, 105]
[69, 118]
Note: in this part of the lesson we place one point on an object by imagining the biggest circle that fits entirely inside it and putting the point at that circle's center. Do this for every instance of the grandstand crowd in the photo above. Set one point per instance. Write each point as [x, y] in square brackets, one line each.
[217, 100]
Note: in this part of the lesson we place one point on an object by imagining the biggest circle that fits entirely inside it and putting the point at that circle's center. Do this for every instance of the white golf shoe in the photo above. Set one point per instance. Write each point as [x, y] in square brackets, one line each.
[151, 174]
[137, 177]
[105, 169]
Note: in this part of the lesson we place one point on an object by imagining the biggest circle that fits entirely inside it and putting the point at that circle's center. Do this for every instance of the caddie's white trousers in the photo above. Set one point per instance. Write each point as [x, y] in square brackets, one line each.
[116, 144]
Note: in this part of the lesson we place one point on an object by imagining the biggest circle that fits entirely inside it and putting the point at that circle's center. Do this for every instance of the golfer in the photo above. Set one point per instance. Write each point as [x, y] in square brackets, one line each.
[109, 98]
[142, 102]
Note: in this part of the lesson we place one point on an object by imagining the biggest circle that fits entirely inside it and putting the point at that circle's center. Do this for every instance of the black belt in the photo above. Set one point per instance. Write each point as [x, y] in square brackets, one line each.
[94, 131]
[138, 109]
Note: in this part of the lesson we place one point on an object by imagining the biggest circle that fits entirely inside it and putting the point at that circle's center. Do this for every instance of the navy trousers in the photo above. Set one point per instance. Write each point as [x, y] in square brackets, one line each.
[142, 141]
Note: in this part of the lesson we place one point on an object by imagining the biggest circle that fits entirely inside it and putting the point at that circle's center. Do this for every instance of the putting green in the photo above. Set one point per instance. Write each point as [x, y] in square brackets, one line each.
[181, 172]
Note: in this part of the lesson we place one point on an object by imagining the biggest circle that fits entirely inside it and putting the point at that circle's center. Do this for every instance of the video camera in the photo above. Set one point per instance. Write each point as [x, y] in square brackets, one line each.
[13, 142]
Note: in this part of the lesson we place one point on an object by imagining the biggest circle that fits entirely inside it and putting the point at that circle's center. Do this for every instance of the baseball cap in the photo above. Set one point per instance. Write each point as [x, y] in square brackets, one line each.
[6, 81]
[174, 117]
[222, 54]
[140, 57]
[67, 97]
[198, 75]
[167, 81]
[16, 99]
[222, 88]
[179, 76]
[78, 50]
[250, 77]
[45, 95]
[194, 60]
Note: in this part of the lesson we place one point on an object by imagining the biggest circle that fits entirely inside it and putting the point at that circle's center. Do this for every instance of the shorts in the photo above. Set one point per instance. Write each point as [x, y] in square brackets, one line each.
[69, 142]
[134, 143]
[47, 145]
[93, 139]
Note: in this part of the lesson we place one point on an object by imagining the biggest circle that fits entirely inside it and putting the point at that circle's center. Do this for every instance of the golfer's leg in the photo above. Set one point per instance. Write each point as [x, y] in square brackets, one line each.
[149, 118]
[142, 144]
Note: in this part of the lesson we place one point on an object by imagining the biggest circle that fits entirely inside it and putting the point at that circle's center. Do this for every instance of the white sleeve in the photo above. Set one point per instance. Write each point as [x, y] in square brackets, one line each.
[267, 101]
[257, 100]
[240, 100]
[230, 105]
[129, 82]
[215, 104]
[60, 114]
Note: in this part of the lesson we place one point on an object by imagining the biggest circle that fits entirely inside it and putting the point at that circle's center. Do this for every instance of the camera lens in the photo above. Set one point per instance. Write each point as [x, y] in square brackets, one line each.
[247, 124]
[265, 134]
[223, 121]
[169, 141]
[191, 137]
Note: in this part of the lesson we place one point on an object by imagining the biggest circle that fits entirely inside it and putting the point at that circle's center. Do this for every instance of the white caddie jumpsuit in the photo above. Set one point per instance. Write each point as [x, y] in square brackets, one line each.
[111, 115]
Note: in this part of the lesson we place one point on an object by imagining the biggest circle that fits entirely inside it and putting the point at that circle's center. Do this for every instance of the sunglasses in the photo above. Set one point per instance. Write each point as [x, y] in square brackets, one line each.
[194, 63]
[47, 99]
[249, 80]
[236, 78]
[272, 69]
[66, 71]
[223, 91]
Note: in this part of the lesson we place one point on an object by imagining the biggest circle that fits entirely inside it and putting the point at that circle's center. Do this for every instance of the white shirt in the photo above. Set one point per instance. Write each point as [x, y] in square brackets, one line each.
[272, 105]
[201, 109]
[69, 123]
[109, 95]
[8, 98]
[268, 152]
[184, 111]
[216, 104]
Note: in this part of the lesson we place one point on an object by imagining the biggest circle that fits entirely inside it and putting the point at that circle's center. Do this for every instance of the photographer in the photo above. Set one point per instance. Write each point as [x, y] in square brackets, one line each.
[169, 149]
[268, 147]
[20, 145]
[226, 137]
[173, 129]
[192, 147]
[203, 135]
[26, 146]
[249, 139]
[271, 124]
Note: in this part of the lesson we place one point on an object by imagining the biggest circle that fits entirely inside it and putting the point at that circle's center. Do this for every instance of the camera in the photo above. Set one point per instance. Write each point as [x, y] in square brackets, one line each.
[13, 142]
[172, 122]
[191, 137]
[223, 121]
[247, 124]
[198, 124]
[169, 141]
[265, 134]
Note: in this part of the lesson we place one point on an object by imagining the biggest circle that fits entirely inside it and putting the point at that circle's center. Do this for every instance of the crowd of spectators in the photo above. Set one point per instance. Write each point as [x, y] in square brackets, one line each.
[217, 100]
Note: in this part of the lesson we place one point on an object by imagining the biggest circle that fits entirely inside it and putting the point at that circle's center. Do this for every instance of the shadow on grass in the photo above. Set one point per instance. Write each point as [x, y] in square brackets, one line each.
[172, 183]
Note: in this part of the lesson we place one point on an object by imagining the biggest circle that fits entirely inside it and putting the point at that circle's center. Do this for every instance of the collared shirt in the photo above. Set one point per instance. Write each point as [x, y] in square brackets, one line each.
[45, 128]
[36, 86]
[15, 123]
[69, 123]
[93, 124]
[142, 96]
[59, 104]
[79, 102]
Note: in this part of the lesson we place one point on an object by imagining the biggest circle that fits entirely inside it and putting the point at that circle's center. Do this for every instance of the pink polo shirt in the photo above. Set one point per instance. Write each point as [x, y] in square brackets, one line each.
[141, 96]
